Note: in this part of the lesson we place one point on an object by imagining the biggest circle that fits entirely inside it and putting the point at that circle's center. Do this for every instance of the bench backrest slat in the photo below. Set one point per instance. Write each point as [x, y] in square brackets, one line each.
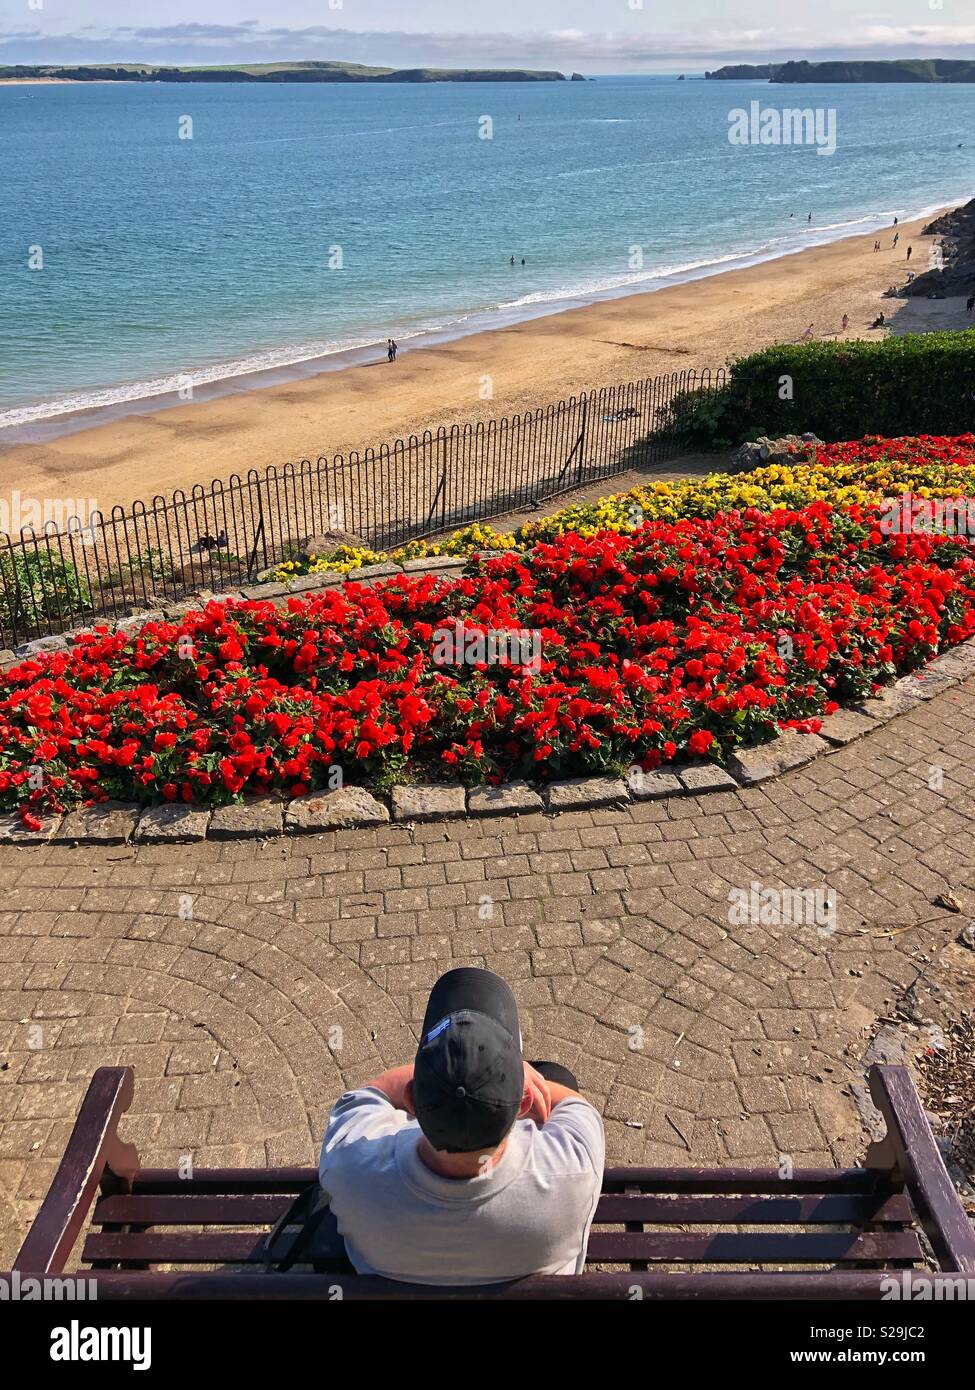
[238, 1209]
[658, 1247]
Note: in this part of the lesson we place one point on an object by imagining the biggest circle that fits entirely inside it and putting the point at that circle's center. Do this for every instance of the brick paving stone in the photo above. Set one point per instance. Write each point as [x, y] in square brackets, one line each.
[221, 969]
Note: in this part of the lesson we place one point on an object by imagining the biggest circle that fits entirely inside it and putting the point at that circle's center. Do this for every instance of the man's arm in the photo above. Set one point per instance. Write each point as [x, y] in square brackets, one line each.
[557, 1093]
[544, 1095]
[397, 1086]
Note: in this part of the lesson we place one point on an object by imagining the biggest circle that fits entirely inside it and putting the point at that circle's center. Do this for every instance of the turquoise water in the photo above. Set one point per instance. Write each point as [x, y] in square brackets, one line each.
[168, 261]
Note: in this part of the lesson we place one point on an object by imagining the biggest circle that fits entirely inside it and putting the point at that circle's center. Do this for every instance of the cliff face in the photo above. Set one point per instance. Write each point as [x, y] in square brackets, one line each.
[893, 70]
[740, 71]
[281, 72]
[957, 232]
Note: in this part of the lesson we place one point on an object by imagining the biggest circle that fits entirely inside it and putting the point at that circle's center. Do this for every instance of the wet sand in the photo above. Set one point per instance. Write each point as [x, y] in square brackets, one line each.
[700, 324]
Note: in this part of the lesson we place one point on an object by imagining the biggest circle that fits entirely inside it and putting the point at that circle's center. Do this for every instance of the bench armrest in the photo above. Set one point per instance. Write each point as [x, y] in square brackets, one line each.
[95, 1158]
[910, 1154]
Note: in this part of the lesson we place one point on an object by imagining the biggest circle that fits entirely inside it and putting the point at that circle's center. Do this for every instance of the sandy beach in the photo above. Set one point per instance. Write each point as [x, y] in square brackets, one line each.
[699, 324]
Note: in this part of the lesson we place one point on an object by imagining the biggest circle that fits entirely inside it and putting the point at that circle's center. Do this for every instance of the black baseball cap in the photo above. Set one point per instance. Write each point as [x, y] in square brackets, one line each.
[469, 1076]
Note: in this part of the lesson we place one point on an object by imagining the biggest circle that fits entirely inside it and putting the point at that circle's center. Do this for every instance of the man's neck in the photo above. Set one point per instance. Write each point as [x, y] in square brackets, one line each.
[469, 1165]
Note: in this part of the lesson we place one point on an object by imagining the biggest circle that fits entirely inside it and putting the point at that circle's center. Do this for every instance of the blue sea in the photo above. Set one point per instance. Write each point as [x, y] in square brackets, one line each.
[306, 224]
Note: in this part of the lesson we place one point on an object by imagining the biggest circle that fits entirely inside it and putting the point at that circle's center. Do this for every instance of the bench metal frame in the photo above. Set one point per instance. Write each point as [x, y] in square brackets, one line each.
[865, 1223]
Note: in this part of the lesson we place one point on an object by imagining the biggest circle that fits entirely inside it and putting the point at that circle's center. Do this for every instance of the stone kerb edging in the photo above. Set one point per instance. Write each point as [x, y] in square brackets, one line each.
[118, 823]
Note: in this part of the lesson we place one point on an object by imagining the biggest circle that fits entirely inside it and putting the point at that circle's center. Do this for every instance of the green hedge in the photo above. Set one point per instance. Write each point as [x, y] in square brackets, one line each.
[916, 384]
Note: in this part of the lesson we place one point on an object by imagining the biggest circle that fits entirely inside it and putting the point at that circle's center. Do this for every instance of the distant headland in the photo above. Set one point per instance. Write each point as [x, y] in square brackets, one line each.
[270, 72]
[882, 70]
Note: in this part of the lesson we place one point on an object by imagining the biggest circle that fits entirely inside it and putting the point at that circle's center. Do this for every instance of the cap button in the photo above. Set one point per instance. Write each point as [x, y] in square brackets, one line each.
[460, 1093]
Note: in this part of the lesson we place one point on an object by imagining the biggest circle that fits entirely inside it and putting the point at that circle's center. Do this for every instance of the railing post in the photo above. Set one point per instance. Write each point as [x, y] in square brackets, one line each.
[443, 479]
[258, 535]
[580, 466]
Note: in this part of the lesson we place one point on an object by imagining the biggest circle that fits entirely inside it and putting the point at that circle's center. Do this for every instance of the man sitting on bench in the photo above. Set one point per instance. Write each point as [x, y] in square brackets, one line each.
[471, 1166]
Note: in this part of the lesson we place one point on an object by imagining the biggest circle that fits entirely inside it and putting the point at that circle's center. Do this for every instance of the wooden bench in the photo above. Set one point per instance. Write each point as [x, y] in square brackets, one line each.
[689, 1233]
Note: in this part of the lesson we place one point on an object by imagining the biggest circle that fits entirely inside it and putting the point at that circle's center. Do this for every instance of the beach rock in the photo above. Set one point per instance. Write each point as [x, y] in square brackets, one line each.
[757, 453]
[957, 277]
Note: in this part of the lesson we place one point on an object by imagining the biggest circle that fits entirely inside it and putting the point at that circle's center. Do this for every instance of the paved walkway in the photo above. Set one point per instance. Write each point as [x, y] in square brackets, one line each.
[249, 985]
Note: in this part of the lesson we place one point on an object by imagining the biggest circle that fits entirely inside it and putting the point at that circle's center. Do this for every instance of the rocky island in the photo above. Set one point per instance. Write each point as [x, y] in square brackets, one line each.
[882, 70]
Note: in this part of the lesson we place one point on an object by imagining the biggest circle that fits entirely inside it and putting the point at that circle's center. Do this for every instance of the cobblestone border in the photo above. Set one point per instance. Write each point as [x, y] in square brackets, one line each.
[118, 823]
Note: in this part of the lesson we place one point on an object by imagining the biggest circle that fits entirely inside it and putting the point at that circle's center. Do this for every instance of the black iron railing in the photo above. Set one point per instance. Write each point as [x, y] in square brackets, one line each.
[226, 534]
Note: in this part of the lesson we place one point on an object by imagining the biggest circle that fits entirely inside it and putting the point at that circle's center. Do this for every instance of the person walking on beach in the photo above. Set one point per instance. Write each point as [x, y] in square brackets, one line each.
[970, 303]
[846, 322]
[808, 334]
[393, 349]
[909, 250]
[897, 237]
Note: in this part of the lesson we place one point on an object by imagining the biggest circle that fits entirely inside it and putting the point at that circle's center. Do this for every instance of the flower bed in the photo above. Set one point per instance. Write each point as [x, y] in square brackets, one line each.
[678, 639]
[862, 472]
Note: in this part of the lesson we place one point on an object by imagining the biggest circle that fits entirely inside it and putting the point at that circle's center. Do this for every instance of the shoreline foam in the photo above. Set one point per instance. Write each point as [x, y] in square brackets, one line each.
[48, 420]
[483, 375]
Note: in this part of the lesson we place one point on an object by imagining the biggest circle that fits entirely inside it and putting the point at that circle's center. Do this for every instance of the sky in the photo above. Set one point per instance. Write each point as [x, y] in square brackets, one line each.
[591, 36]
